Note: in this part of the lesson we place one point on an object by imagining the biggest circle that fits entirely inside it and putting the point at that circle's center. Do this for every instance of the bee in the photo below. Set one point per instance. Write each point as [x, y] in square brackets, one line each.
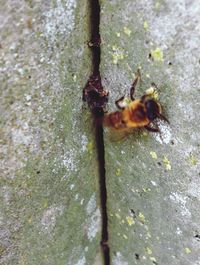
[139, 113]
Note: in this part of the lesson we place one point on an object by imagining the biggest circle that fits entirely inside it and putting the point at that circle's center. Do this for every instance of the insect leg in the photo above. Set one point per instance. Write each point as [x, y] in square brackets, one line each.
[150, 129]
[143, 98]
[162, 117]
[134, 84]
[117, 103]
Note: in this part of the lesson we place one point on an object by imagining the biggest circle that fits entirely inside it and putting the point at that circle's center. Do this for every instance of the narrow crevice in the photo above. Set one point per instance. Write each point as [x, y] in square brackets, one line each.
[97, 97]
[103, 194]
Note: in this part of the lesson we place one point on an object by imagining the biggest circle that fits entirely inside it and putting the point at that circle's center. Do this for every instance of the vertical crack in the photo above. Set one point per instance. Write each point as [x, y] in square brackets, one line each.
[97, 98]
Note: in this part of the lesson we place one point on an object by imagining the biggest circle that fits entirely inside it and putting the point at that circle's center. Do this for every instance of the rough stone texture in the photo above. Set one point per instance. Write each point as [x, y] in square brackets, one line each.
[49, 209]
[152, 181]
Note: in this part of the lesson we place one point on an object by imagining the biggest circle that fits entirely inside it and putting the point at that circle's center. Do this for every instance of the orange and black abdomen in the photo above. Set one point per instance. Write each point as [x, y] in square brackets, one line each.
[114, 120]
[133, 116]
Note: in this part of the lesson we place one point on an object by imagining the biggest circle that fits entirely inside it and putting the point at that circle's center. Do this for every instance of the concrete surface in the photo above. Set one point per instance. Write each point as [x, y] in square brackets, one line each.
[152, 181]
[49, 182]
[49, 207]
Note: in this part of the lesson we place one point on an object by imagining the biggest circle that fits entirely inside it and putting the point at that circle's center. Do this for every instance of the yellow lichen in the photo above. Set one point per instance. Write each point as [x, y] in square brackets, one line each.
[130, 220]
[127, 31]
[117, 54]
[193, 160]
[146, 25]
[167, 163]
[74, 78]
[124, 236]
[148, 250]
[90, 147]
[142, 217]
[153, 155]
[157, 5]
[118, 172]
[148, 75]
[118, 34]
[157, 55]
[148, 235]
[153, 259]
[188, 250]
[146, 189]
[118, 216]
[45, 204]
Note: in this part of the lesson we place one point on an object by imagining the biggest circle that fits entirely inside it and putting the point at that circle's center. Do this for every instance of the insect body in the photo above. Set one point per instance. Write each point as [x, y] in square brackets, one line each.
[138, 113]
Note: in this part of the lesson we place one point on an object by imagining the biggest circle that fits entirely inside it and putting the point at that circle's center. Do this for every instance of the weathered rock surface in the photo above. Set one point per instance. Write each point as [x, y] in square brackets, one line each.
[49, 179]
[153, 183]
[49, 207]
